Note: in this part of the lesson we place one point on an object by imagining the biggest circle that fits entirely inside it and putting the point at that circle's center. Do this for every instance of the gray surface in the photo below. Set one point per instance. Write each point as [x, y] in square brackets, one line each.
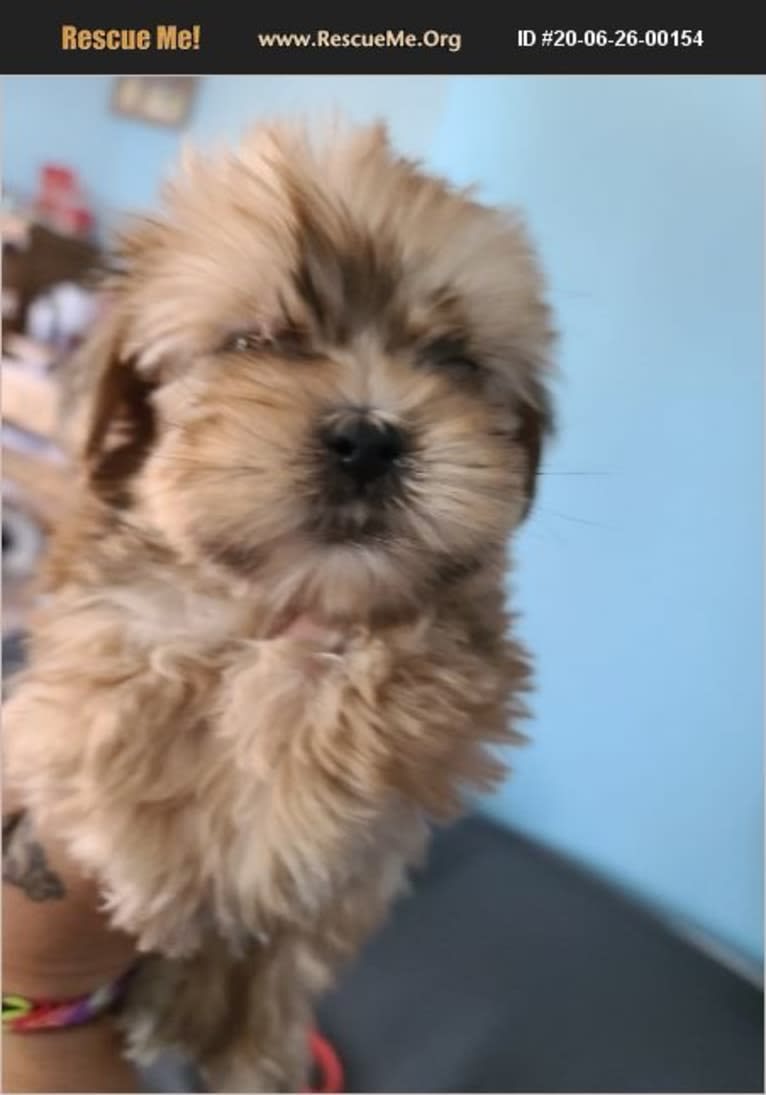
[508, 970]
[511, 971]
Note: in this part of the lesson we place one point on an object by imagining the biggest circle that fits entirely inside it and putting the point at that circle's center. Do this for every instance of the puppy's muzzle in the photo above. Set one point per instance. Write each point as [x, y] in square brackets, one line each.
[361, 449]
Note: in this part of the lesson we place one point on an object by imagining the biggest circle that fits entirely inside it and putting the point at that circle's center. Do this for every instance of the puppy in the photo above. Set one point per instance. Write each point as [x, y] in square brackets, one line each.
[275, 645]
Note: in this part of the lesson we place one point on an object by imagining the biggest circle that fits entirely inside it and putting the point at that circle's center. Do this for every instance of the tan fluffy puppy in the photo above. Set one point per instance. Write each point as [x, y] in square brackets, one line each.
[275, 644]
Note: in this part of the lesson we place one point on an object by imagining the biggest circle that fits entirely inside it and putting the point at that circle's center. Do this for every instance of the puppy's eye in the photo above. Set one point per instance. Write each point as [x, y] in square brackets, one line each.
[240, 342]
[290, 343]
[450, 355]
[461, 366]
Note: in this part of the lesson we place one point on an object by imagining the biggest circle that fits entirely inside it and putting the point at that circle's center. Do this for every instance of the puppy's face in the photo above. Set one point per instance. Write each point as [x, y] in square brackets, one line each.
[324, 375]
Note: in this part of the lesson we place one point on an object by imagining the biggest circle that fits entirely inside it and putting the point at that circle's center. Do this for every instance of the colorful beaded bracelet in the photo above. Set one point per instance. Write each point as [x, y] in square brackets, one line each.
[23, 1015]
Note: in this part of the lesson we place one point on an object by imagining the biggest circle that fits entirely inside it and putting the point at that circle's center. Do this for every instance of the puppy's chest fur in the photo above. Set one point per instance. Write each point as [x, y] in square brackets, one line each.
[222, 783]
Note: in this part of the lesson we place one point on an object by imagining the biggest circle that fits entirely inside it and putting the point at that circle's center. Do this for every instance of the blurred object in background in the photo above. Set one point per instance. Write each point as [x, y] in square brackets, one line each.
[48, 305]
[160, 100]
[36, 260]
[35, 482]
[36, 489]
[29, 392]
[61, 203]
[61, 316]
[23, 541]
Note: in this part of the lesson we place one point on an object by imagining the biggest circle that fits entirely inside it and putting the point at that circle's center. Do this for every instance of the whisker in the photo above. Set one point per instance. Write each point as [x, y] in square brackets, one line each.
[576, 520]
[544, 471]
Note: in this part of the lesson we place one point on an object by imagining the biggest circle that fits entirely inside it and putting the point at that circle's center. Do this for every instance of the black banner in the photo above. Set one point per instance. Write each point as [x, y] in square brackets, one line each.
[272, 40]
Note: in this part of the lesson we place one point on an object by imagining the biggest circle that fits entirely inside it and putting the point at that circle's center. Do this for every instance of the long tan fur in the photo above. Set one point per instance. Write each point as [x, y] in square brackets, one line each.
[249, 793]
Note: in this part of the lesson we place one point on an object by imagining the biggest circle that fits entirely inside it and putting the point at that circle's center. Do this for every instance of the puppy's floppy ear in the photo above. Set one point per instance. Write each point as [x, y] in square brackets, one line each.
[536, 426]
[109, 419]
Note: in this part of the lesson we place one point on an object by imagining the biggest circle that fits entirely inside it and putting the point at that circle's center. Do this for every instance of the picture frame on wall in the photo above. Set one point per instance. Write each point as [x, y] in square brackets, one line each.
[159, 100]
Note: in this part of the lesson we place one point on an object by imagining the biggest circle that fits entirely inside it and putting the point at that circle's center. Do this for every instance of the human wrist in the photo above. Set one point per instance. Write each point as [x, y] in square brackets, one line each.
[76, 1059]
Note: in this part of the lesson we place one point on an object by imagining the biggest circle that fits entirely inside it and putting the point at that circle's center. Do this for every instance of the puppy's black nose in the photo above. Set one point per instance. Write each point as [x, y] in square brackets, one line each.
[363, 449]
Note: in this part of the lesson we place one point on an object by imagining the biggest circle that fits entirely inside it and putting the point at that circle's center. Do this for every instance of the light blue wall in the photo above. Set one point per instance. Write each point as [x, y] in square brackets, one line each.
[50, 118]
[47, 119]
[640, 580]
[640, 573]
[412, 105]
[123, 161]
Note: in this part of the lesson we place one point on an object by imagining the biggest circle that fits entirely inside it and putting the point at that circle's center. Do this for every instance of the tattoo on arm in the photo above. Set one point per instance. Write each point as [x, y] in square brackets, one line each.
[24, 862]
